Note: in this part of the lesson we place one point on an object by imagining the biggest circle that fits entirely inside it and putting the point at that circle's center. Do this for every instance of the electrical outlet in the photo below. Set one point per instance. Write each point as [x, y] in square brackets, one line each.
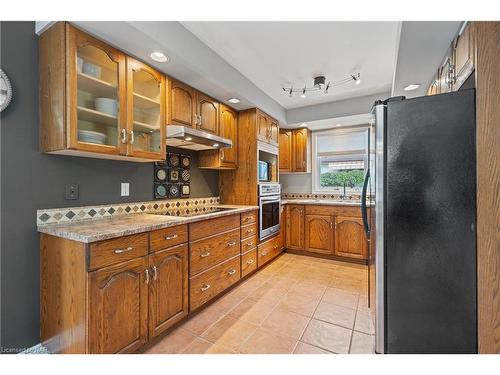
[71, 191]
[125, 189]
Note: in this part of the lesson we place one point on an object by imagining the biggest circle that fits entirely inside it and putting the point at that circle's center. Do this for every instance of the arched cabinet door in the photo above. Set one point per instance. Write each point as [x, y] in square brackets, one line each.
[182, 108]
[319, 234]
[118, 310]
[208, 113]
[350, 239]
[285, 150]
[229, 129]
[295, 227]
[96, 89]
[168, 294]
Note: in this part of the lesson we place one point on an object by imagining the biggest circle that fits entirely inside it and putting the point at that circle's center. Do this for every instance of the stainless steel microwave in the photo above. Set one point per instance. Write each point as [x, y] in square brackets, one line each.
[264, 171]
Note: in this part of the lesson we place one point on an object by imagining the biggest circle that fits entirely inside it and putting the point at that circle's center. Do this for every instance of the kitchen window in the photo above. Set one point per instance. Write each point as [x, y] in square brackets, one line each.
[339, 161]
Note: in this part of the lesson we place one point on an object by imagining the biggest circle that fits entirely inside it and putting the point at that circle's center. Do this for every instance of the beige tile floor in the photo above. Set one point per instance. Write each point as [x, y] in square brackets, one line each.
[297, 304]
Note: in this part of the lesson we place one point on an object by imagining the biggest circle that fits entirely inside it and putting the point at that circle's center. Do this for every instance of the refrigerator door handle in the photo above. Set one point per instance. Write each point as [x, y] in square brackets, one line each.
[364, 212]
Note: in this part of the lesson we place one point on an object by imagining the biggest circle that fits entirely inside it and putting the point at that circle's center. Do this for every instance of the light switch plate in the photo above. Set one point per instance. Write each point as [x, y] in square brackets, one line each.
[125, 189]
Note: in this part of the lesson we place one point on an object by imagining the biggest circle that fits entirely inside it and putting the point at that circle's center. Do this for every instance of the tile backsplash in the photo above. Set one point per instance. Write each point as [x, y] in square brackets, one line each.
[74, 214]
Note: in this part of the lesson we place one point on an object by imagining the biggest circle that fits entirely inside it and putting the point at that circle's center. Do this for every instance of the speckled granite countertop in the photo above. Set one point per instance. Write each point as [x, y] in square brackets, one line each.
[102, 229]
[323, 202]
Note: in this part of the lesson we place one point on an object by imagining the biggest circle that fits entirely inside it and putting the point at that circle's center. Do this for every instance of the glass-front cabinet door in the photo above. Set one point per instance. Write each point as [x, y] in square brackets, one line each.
[97, 109]
[146, 90]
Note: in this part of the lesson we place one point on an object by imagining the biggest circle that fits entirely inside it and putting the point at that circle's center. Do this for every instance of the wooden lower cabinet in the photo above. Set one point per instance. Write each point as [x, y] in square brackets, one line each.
[168, 292]
[268, 250]
[295, 226]
[118, 307]
[319, 234]
[283, 227]
[326, 230]
[248, 262]
[350, 239]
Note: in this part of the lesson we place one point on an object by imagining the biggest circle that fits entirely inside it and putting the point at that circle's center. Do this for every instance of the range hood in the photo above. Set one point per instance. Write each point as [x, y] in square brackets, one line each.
[194, 139]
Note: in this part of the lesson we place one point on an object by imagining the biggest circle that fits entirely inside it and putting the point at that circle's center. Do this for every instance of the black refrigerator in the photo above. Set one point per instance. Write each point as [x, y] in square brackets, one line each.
[421, 224]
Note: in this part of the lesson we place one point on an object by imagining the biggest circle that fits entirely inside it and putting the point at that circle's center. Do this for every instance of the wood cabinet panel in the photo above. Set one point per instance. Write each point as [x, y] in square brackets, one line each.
[210, 227]
[248, 262]
[168, 292]
[350, 239]
[248, 243]
[208, 113]
[333, 210]
[206, 285]
[211, 251]
[319, 234]
[182, 108]
[262, 126]
[168, 237]
[463, 57]
[299, 153]
[295, 226]
[249, 230]
[285, 150]
[249, 217]
[229, 129]
[116, 250]
[283, 224]
[117, 307]
[268, 250]
[274, 131]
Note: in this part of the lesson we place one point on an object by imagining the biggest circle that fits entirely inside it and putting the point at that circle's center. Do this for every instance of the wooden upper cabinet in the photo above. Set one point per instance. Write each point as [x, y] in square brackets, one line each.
[117, 307]
[262, 126]
[96, 94]
[285, 150]
[182, 108]
[207, 113]
[295, 227]
[146, 90]
[350, 238]
[299, 150]
[319, 234]
[97, 102]
[168, 293]
[229, 129]
[225, 158]
[463, 57]
[274, 131]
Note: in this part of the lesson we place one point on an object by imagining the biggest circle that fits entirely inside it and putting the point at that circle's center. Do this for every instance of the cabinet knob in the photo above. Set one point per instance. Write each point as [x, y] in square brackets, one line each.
[231, 272]
[249, 261]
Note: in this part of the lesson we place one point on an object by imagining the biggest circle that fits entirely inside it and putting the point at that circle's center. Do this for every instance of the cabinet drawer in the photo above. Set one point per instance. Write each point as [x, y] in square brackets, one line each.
[210, 227]
[211, 251]
[248, 243]
[168, 237]
[249, 230]
[249, 217]
[248, 262]
[208, 284]
[354, 211]
[268, 250]
[108, 252]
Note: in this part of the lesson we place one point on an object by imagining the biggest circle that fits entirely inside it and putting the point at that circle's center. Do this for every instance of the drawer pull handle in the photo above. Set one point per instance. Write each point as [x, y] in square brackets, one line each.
[231, 243]
[249, 261]
[247, 218]
[205, 255]
[249, 231]
[263, 254]
[231, 272]
[249, 244]
[205, 287]
[119, 251]
[275, 247]
[171, 237]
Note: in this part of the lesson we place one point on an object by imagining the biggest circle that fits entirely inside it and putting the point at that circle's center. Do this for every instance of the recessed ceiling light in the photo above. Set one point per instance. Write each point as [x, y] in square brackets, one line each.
[358, 81]
[411, 87]
[159, 56]
[234, 100]
[304, 125]
[338, 125]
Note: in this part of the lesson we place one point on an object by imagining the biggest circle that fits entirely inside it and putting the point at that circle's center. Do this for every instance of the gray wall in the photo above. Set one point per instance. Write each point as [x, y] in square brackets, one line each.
[31, 180]
[296, 183]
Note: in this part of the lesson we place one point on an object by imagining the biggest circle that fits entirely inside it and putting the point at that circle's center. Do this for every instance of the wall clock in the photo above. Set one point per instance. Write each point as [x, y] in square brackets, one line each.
[5, 91]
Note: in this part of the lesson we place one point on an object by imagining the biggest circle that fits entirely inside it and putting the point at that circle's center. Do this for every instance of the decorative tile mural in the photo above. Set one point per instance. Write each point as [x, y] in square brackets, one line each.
[171, 206]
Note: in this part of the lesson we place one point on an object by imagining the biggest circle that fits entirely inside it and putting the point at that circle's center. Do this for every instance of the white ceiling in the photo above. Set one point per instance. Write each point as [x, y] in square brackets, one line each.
[277, 54]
